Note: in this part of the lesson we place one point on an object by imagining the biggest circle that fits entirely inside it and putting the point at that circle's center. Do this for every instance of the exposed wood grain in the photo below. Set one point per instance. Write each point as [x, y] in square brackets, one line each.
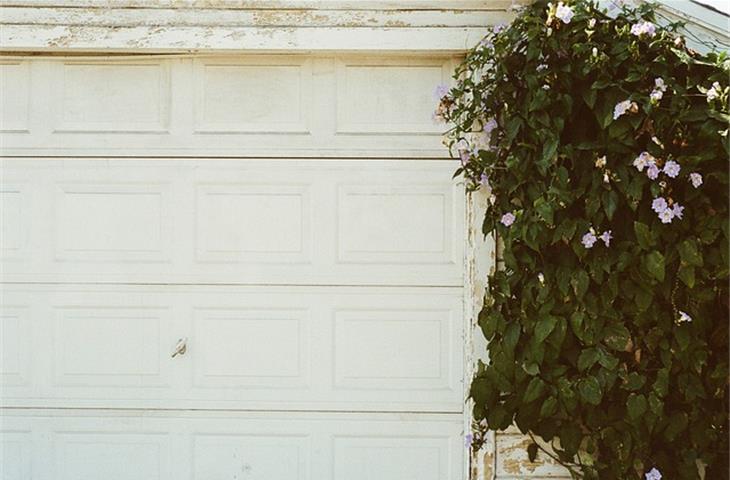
[277, 4]
[20, 38]
[122, 17]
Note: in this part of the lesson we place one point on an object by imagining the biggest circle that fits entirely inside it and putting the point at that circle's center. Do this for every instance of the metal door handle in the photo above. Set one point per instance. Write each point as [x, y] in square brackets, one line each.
[181, 347]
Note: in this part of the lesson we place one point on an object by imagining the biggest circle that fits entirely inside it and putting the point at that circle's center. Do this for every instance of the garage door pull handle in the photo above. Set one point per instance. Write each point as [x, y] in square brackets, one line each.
[181, 347]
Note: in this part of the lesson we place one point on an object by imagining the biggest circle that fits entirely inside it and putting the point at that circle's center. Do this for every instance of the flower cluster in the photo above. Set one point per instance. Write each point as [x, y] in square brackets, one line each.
[667, 210]
[592, 236]
[653, 474]
[508, 219]
[713, 92]
[658, 93]
[643, 28]
[623, 107]
[564, 13]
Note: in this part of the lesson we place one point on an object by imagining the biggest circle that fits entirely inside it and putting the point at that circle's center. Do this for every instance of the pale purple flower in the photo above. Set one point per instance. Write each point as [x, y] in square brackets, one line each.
[564, 13]
[652, 172]
[490, 125]
[606, 237]
[623, 107]
[499, 27]
[659, 84]
[644, 160]
[591, 23]
[468, 439]
[484, 179]
[696, 179]
[672, 168]
[653, 474]
[588, 239]
[508, 219]
[441, 91]
[683, 317]
[666, 215]
[713, 92]
[677, 210]
[541, 67]
[656, 95]
[643, 28]
[659, 204]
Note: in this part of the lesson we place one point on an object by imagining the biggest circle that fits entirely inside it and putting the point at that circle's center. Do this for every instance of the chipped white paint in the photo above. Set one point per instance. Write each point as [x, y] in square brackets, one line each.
[225, 26]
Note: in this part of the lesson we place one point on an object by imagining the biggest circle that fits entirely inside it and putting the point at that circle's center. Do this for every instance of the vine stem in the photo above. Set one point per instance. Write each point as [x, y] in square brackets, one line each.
[555, 457]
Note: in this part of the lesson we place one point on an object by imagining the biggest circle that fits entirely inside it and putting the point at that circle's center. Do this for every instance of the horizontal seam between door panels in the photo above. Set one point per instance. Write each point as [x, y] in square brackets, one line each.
[243, 410]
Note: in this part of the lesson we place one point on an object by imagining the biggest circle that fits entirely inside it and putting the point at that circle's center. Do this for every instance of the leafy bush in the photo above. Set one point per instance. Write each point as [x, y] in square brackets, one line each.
[603, 141]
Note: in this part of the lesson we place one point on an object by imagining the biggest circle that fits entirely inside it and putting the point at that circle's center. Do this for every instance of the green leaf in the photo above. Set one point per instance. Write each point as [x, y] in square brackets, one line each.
[588, 358]
[636, 405]
[580, 283]
[634, 381]
[686, 273]
[549, 407]
[616, 337]
[570, 438]
[655, 265]
[544, 209]
[512, 336]
[589, 96]
[590, 390]
[610, 203]
[689, 254]
[544, 327]
[534, 390]
[576, 323]
[643, 235]
[549, 149]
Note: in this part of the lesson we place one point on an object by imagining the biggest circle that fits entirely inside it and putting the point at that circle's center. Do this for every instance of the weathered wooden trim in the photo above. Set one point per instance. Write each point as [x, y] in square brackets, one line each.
[705, 24]
[275, 4]
[148, 39]
[124, 17]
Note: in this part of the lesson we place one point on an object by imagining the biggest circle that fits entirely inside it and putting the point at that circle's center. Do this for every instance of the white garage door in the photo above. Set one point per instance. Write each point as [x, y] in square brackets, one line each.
[238, 318]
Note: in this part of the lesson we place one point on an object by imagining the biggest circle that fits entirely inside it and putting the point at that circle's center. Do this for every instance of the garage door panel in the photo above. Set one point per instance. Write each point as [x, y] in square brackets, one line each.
[243, 348]
[373, 457]
[16, 447]
[251, 456]
[271, 106]
[234, 222]
[253, 223]
[111, 346]
[208, 445]
[15, 340]
[15, 96]
[84, 455]
[116, 98]
[377, 96]
[310, 348]
[113, 222]
[233, 96]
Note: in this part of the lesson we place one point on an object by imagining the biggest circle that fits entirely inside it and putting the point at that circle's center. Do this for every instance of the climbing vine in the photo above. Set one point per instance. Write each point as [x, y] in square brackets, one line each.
[602, 142]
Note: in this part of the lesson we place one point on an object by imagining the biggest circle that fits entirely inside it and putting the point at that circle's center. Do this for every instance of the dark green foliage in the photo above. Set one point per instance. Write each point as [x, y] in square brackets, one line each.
[592, 349]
